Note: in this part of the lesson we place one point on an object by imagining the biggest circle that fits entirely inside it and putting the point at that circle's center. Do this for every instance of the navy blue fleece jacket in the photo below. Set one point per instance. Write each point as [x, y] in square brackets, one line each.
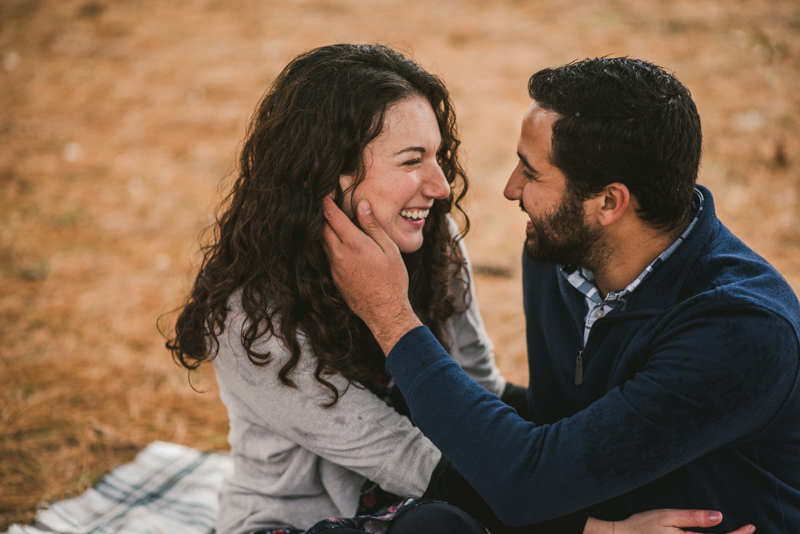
[690, 396]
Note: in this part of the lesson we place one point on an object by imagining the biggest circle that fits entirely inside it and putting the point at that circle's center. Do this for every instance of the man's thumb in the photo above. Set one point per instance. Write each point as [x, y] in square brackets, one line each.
[369, 224]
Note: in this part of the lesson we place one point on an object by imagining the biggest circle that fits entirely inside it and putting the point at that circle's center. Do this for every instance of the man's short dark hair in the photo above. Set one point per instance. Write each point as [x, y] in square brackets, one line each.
[629, 121]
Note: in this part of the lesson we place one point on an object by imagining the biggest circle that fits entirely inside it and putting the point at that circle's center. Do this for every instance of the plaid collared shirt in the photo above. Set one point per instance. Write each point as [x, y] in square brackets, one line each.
[583, 280]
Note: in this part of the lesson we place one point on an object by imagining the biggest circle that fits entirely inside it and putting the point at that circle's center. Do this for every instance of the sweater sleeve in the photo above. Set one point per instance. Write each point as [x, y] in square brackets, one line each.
[360, 432]
[710, 380]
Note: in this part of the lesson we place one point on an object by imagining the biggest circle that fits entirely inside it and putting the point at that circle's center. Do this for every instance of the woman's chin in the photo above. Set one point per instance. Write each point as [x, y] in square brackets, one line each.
[407, 246]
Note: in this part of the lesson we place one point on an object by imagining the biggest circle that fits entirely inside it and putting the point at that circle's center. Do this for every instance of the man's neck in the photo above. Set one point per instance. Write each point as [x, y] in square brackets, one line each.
[630, 251]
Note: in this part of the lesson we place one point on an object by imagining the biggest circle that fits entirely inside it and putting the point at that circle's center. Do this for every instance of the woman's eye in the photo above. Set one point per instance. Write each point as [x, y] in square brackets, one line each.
[412, 162]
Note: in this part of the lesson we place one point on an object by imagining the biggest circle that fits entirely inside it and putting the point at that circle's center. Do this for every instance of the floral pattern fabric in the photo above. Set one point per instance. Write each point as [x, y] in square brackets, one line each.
[377, 523]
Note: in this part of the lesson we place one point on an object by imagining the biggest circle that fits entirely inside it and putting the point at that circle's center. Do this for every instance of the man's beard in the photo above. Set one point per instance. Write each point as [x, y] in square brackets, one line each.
[563, 237]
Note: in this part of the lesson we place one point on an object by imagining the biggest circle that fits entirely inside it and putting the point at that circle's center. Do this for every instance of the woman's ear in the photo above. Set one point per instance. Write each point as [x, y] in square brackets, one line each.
[346, 182]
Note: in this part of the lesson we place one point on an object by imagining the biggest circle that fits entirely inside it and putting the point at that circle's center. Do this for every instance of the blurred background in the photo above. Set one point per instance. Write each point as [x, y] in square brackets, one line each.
[119, 120]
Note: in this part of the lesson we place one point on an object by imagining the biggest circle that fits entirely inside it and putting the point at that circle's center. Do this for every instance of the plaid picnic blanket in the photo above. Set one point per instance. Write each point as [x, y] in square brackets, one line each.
[167, 489]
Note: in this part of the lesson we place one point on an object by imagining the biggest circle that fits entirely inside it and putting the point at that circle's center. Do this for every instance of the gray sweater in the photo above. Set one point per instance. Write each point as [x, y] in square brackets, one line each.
[295, 462]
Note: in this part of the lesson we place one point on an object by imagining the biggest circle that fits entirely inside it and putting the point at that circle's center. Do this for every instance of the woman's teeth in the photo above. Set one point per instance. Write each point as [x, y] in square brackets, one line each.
[415, 214]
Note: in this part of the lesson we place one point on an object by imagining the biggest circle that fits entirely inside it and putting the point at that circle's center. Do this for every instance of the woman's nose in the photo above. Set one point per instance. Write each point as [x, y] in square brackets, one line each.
[436, 185]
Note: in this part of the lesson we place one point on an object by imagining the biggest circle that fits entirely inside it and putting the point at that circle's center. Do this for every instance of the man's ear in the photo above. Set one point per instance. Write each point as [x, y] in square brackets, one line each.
[612, 203]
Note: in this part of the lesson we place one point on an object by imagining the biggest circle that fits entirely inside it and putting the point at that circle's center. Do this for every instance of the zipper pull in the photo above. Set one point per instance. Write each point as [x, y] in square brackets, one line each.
[579, 369]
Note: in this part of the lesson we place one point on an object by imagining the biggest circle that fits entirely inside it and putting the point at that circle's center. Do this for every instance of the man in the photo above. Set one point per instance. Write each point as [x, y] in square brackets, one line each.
[664, 354]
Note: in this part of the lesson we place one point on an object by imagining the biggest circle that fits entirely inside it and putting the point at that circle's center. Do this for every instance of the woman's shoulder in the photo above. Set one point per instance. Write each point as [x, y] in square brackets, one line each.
[232, 354]
[237, 325]
[455, 231]
[237, 319]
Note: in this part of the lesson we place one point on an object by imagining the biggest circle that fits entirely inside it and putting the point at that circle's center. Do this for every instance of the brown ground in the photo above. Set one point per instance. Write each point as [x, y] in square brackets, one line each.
[118, 120]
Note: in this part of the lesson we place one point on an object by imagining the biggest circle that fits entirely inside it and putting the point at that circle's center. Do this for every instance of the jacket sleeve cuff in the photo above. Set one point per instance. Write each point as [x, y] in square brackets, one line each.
[413, 355]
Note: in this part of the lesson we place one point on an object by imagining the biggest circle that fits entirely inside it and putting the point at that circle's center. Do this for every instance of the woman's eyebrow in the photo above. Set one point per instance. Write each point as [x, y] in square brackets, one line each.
[411, 149]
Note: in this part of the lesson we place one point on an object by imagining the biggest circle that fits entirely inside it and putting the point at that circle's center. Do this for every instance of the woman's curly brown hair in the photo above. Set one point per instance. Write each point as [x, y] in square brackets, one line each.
[312, 126]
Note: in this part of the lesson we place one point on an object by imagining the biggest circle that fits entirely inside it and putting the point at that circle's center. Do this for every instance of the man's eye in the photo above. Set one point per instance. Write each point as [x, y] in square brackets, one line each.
[528, 175]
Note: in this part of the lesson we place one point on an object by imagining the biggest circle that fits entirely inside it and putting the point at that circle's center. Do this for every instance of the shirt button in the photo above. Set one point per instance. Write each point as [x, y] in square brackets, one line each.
[599, 313]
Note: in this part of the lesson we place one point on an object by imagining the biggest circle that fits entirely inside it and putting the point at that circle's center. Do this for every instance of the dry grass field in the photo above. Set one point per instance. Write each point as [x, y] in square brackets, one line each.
[119, 119]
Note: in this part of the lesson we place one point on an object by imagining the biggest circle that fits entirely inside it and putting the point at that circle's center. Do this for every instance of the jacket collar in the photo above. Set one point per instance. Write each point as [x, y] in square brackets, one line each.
[662, 288]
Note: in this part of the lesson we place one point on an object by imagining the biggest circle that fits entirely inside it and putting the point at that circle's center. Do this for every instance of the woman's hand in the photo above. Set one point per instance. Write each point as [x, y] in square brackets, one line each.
[663, 521]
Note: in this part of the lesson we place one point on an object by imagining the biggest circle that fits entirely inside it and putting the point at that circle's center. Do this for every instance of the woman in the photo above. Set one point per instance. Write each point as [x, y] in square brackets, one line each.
[316, 429]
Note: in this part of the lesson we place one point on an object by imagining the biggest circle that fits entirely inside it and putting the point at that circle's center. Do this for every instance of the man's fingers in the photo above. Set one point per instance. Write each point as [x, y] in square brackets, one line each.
[671, 520]
[371, 227]
[329, 239]
[747, 529]
[338, 223]
[691, 518]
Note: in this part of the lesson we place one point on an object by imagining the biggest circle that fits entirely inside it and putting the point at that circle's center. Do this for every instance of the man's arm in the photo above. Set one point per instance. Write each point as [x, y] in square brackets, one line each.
[674, 411]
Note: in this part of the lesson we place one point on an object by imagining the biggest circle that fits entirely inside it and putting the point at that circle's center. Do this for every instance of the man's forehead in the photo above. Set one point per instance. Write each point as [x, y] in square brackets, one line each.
[537, 114]
[537, 126]
[532, 107]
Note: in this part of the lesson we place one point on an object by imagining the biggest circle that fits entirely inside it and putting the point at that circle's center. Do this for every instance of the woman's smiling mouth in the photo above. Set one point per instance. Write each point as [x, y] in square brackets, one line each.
[414, 214]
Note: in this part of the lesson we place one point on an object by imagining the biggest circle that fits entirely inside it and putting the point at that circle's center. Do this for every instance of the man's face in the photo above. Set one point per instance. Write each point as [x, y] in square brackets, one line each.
[557, 230]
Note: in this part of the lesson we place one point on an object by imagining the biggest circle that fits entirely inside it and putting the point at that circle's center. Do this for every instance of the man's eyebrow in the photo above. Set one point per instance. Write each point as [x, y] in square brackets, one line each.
[525, 161]
[411, 149]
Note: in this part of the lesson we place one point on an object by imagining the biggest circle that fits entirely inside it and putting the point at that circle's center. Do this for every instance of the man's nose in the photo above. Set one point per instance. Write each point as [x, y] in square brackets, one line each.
[436, 185]
[514, 185]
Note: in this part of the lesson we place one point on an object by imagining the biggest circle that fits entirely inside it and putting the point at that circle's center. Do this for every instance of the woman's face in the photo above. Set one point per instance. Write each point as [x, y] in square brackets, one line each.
[402, 175]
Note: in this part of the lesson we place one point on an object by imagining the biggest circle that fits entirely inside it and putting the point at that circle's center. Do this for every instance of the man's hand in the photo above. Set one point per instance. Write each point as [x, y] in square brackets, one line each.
[369, 272]
[664, 521]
